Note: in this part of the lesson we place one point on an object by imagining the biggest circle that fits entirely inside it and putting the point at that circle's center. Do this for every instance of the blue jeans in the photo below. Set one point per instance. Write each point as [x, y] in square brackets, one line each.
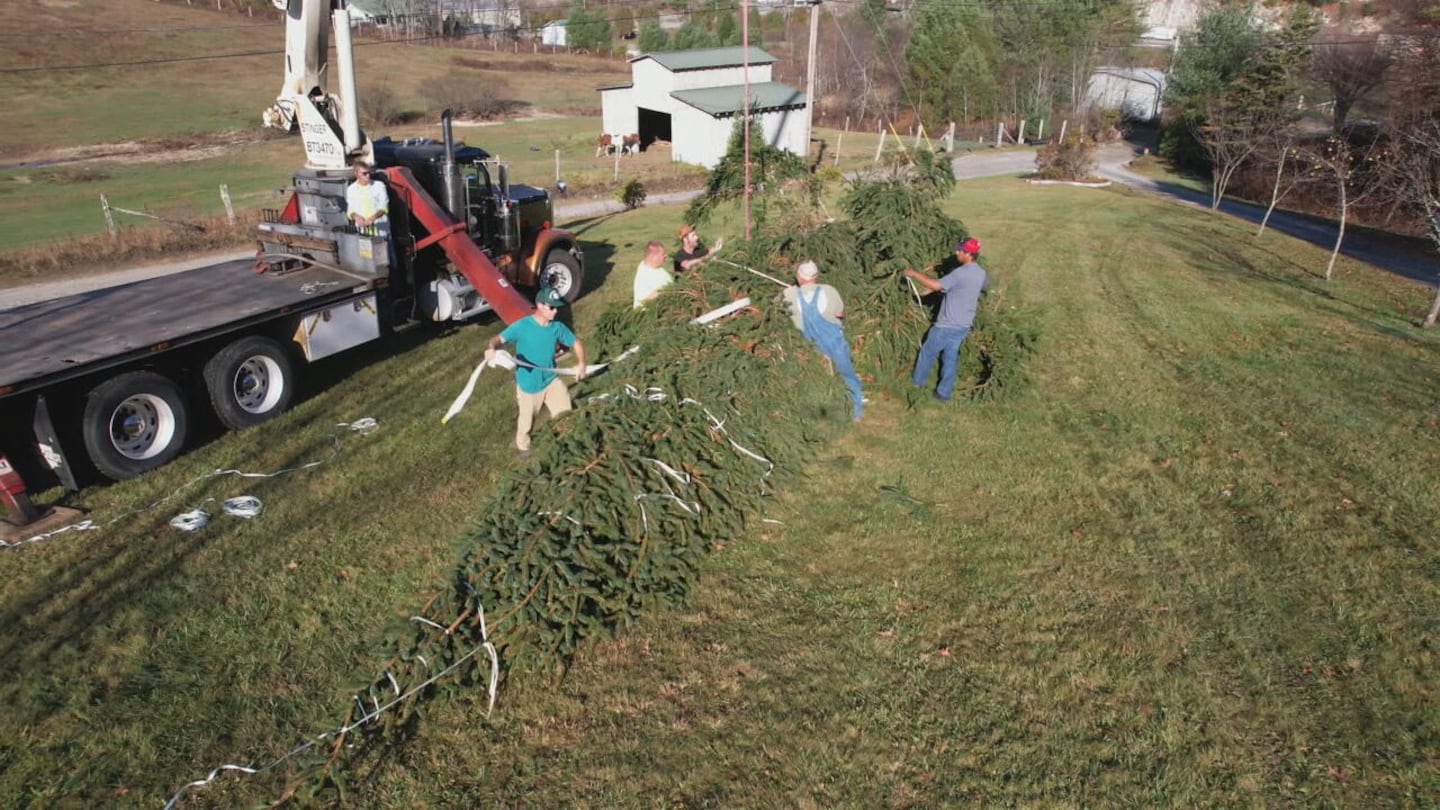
[830, 339]
[941, 343]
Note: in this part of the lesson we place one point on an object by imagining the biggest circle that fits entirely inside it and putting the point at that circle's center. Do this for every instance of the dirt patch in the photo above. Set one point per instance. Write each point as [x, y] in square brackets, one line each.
[155, 150]
[538, 115]
[507, 65]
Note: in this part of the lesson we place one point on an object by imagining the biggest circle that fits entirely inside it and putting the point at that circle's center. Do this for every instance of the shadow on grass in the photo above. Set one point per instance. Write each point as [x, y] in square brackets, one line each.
[1287, 276]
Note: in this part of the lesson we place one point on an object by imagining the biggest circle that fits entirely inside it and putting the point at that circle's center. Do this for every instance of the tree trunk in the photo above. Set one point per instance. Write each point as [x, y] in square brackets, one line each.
[1434, 313]
[1274, 195]
[1222, 181]
[1341, 112]
[1340, 235]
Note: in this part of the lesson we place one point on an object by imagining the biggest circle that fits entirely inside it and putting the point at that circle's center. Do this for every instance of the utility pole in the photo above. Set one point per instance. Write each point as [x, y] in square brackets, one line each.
[810, 74]
[745, 70]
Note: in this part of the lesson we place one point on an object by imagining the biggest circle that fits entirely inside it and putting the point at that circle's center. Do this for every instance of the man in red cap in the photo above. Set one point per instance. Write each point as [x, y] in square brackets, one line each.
[962, 288]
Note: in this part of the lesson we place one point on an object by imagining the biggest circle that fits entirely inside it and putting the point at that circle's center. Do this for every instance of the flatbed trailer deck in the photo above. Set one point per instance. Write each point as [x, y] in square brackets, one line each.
[70, 337]
[117, 375]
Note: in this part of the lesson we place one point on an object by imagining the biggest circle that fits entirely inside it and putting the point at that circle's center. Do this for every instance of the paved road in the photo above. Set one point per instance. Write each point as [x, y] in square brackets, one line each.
[1417, 265]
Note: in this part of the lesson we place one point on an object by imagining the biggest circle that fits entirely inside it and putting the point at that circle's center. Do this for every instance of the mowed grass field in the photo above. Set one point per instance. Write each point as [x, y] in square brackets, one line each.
[1192, 565]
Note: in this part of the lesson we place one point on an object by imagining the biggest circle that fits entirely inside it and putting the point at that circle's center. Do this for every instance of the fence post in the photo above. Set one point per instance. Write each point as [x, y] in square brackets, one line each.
[880, 145]
[839, 141]
[229, 206]
[1000, 133]
[1063, 125]
[1020, 137]
[1040, 134]
[557, 165]
[109, 217]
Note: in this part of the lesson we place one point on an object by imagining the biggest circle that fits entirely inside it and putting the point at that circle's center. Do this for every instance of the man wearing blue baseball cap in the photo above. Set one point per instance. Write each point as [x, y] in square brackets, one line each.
[962, 288]
[537, 338]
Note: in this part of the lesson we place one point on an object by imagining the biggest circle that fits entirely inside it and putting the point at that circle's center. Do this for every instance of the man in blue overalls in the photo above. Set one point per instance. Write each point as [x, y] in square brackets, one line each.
[817, 310]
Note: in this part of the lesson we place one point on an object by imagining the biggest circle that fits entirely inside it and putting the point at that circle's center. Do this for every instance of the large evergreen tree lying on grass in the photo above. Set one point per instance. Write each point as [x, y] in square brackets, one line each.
[670, 452]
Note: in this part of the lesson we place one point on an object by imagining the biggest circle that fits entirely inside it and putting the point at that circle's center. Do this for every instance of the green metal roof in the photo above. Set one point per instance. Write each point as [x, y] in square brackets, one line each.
[704, 58]
[731, 99]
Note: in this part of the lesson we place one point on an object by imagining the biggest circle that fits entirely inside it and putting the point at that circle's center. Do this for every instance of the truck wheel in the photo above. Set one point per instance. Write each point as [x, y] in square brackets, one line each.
[562, 271]
[250, 381]
[134, 423]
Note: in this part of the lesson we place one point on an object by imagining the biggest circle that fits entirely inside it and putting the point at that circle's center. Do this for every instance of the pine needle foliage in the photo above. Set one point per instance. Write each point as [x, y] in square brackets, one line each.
[893, 220]
[773, 171]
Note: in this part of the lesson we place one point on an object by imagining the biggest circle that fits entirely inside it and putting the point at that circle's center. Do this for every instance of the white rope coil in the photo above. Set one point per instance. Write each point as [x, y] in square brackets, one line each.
[191, 521]
[243, 506]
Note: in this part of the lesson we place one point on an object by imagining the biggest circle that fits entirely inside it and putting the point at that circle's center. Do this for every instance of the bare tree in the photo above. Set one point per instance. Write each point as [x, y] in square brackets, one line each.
[1434, 215]
[1279, 149]
[1414, 95]
[1355, 173]
[1351, 66]
[1230, 134]
[1238, 117]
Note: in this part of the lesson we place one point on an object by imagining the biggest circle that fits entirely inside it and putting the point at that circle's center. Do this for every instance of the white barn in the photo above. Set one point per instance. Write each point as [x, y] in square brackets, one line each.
[1137, 93]
[554, 33]
[692, 98]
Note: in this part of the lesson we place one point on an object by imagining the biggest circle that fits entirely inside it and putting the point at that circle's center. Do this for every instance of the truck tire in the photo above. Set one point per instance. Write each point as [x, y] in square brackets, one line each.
[250, 381]
[134, 423]
[562, 271]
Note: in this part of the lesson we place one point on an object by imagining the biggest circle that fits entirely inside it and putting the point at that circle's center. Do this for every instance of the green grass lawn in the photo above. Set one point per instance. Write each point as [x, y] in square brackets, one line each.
[1192, 565]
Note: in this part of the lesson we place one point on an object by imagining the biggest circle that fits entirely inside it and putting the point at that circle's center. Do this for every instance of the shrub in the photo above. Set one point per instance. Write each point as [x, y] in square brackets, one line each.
[632, 194]
[1072, 160]
[379, 108]
[469, 96]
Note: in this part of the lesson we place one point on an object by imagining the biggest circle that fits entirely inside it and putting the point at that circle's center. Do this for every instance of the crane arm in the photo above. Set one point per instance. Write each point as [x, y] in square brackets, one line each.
[329, 124]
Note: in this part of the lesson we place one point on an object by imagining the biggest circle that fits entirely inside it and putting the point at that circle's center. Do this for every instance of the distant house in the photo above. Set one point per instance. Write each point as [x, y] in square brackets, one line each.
[553, 33]
[487, 15]
[1136, 93]
[384, 12]
[692, 98]
[359, 16]
[365, 12]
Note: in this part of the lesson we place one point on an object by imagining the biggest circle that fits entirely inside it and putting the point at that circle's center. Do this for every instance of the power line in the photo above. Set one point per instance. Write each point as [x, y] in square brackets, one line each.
[453, 37]
[371, 43]
[109, 32]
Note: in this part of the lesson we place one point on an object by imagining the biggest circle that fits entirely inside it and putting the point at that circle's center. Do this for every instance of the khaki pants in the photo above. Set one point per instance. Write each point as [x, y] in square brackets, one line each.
[555, 398]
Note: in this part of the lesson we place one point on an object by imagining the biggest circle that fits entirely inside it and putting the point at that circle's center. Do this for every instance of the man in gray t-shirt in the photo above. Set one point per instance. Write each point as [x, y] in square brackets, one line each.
[962, 288]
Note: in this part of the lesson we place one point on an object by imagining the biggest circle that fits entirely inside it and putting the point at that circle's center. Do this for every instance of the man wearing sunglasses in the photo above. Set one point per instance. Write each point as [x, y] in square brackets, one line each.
[367, 203]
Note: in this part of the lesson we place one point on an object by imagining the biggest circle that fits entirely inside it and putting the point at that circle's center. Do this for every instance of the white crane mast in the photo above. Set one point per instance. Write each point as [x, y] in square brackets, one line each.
[328, 124]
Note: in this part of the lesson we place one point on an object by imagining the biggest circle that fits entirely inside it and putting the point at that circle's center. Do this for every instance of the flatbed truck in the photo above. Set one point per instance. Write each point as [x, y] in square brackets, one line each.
[111, 380]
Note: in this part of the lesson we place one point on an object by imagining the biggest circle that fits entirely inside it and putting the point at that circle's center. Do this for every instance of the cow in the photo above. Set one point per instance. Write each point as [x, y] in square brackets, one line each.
[605, 145]
[630, 144]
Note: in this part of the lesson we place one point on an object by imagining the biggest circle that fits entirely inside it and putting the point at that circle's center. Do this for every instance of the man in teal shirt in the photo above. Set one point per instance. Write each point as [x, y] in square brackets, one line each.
[537, 338]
